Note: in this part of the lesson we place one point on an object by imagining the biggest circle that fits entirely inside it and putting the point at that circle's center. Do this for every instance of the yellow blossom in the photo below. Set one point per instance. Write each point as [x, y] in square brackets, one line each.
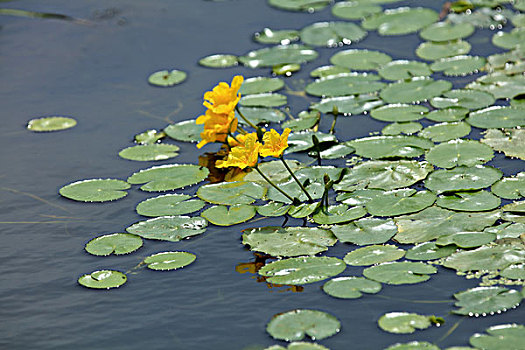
[223, 98]
[216, 127]
[237, 141]
[274, 144]
[243, 156]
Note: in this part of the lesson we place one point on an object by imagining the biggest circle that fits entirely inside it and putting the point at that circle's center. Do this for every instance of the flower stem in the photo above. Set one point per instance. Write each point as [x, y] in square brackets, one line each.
[310, 200]
[256, 167]
[245, 119]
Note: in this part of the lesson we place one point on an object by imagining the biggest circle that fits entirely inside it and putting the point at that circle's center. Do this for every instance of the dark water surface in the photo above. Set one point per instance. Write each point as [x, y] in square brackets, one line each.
[97, 73]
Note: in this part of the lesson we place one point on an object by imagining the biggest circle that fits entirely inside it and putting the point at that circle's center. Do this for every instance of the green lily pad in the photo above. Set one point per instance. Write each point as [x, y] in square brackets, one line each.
[169, 228]
[272, 36]
[398, 113]
[500, 85]
[348, 105]
[167, 78]
[484, 17]
[509, 40]
[168, 177]
[413, 345]
[149, 137]
[271, 209]
[169, 204]
[355, 9]
[485, 258]
[432, 51]
[360, 59]
[399, 202]
[469, 201]
[509, 141]
[373, 254]
[272, 56]
[506, 230]
[336, 214]
[261, 115]
[514, 272]
[221, 215]
[407, 128]
[415, 90]
[429, 251]
[149, 152]
[337, 151]
[459, 153]
[447, 31]
[510, 187]
[331, 34]
[403, 20]
[259, 85]
[302, 210]
[45, 124]
[471, 99]
[449, 114]
[302, 270]
[505, 336]
[350, 287]
[274, 170]
[366, 231]
[302, 141]
[299, 5]
[402, 69]
[358, 197]
[345, 84]
[306, 120]
[95, 190]
[400, 272]
[286, 69]
[219, 61]
[403, 322]
[458, 65]
[103, 279]
[288, 241]
[263, 100]
[462, 178]
[516, 207]
[466, 239]
[380, 147]
[434, 222]
[481, 301]
[116, 243]
[169, 260]
[298, 345]
[326, 71]
[230, 193]
[186, 131]
[445, 132]
[299, 323]
[384, 175]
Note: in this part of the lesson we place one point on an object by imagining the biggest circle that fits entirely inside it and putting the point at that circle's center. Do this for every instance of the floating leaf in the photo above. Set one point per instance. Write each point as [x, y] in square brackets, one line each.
[169, 260]
[398, 113]
[510, 187]
[407, 128]
[229, 193]
[149, 152]
[170, 204]
[413, 345]
[299, 5]
[286, 69]
[380, 147]
[350, 287]
[483, 17]
[272, 56]
[116, 243]
[514, 272]
[506, 230]
[337, 214]
[103, 279]
[500, 85]
[51, 124]
[415, 90]
[445, 132]
[459, 153]
[458, 65]
[337, 151]
[355, 104]
[402, 69]
[400, 272]
[462, 178]
[399, 202]
[373, 254]
[360, 59]
[466, 239]
[274, 170]
[344, 84]
[305, 120]
[509, 141]
[259, 85]
[469, 201]
[432, 51]
[509, 40]
[486, 300]
[325, 71]
[302, 270]
[446, 31]
[485, 258]
[403, 20]
[186, 131]
[471, 99]
[516, 207]
[263, 100]
[169, 228]
[273, 209]
[298, 345]
[149, 137]
[331, 34]
[296, 324]
[219, 61]
[221, 215]
[358, 197]
[505, 336]
[168, 177]
[403, 322]
[258, 115]
[302, 210]
[450, 114]
[288, 241]
[355, 9]
[366, 231]
[95, 190]
[302, 141]
[167, 78]
[271, 36]
[429, 251]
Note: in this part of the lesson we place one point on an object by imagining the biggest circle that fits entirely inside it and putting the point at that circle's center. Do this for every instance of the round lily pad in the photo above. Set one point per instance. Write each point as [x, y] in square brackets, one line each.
[510, 187]
[169, 228]
[485, 258]
[514, 272]
[167, 78]
[449, 114]
[95, 190]
[298, 345]
[500, 85]
[186, 130]
[302, 270]
[403, 322]
[399, 21]
[516, 207]
[219, 61]
[360, 59]
[169, 204]
[229, 193]
[350, 287]
[481, 301]
[272, 36]
[400, 272]
[169, 260]
[337, 151]
[168, 177]
[402, 69]
[299, 323]
[258, 115]
[466, 98]
[416, 90]
[149, 152]
[399, 202]
[509, 141]
[398, 113]
[366, 231]
[221, 215]
[299, 5]
[469, 201]
[466, 239]
[149, 137]
[380, 147]
[447, 31]
[497, 117]
[271, 56]
[373, 254]
[355, 9]
[103, 279]
[432, 51]
[509, 40]
[358, 197]
[272, 209]
[504, 336]
[462, 178]
[302, 141]
[259, 85]
[445, 131]
[268, 99]
[429, 251]
[407, 128]
[344, 84]
[347, 105]
[336, 214]
[325, 71]
[458, 65]
[459, 153]
[286, 69]
[51, 124]
[116, 243]
[331, 34]
[413, 345]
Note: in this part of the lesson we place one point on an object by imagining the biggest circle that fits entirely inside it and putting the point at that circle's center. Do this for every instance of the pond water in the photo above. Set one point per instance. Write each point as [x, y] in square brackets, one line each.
[97, 72]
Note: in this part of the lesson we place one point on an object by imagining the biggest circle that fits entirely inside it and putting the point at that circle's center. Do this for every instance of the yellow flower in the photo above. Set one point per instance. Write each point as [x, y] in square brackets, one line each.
[274, 144]
[216, 127]
[237, 141]
[242, 156]
[223, 98]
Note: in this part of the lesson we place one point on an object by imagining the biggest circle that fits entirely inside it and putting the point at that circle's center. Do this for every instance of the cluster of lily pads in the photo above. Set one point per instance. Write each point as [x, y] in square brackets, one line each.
[425, 188]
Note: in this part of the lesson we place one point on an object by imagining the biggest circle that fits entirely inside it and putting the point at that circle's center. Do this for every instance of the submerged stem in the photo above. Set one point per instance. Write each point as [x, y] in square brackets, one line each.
[310, 200]
[245, 119]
